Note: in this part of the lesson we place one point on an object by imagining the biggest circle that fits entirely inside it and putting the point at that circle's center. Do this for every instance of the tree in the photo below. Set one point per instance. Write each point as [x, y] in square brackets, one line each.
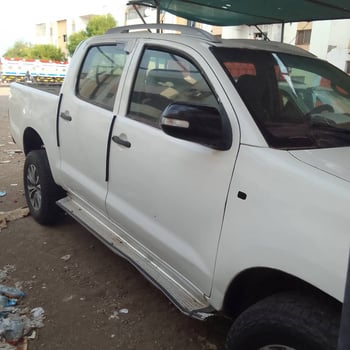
[96, 25]
[74, 40]
[47, 52]
[100, 24]
[20, 49]
[26, 50]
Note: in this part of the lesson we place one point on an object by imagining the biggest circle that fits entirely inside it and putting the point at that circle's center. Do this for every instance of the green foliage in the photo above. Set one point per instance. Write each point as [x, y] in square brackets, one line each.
[20, 49]
[99, 24]
[74, 40]
[47, 52]
[25, 50]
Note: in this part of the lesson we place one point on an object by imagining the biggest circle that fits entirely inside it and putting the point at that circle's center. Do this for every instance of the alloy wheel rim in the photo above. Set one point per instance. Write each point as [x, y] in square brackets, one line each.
[34, 187]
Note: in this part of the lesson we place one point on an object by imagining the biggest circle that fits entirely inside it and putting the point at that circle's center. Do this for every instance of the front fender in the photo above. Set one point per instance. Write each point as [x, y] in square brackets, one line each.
[294, 219]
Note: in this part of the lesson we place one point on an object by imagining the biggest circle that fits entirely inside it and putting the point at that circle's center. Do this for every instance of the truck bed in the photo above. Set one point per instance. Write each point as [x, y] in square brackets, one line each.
[34, 107]
[52, 88]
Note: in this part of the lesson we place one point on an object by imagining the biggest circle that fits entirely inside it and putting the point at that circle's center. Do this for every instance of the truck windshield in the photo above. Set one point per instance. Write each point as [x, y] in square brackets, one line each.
[298, 102]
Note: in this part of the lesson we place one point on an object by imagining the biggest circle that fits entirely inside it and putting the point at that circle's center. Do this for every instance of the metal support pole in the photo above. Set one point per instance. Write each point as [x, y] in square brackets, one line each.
[282, 32]
[344, 334]
[139, 13]
[158, 10]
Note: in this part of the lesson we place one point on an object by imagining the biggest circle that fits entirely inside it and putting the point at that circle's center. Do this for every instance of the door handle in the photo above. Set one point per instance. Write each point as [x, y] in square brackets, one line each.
[120, 141]
[66, 116]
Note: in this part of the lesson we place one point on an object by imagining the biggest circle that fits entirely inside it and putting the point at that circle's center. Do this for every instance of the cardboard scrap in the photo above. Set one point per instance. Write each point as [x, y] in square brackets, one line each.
[7, 216]
[23, 344]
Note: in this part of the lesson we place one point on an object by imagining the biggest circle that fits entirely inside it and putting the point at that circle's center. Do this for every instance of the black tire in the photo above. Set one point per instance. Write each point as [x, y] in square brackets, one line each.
[40, 189]
[286, 322]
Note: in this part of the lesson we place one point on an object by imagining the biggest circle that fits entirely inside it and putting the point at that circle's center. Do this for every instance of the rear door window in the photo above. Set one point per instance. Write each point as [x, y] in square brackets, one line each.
[100, 74]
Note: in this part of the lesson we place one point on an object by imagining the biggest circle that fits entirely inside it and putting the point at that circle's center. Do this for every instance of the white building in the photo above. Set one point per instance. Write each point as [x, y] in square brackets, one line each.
[56, 29]
[329, 40]
[57, 32]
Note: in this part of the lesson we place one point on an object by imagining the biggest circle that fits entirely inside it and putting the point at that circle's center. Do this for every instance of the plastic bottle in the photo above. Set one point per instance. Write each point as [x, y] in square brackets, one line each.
[7, 302]
[3, 301]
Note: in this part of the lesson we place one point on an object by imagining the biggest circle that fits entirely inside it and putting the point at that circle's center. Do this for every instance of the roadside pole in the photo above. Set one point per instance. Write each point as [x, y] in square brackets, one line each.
[344, 334]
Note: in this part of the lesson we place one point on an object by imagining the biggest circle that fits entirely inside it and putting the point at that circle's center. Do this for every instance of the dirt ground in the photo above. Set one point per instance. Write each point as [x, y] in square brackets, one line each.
[92, 298]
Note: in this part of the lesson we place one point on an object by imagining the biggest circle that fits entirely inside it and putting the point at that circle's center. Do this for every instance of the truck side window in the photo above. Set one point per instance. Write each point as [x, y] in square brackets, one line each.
[100, 73]
[163, 78]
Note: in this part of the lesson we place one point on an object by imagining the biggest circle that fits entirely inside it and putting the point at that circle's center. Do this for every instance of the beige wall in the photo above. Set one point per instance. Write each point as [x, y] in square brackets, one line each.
[62, 36]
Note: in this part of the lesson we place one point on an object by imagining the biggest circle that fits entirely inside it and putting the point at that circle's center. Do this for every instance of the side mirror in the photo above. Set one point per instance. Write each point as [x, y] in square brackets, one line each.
[199, 124]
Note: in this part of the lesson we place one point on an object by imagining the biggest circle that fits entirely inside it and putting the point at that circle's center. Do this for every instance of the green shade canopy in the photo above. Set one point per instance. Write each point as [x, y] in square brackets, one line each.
[250, 12]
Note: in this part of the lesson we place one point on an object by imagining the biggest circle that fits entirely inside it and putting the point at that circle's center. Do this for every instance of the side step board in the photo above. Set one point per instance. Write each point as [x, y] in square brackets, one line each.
[187, 299]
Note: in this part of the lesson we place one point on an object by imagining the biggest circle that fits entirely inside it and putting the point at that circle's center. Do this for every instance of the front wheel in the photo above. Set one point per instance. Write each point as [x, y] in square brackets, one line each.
[286, 322]
[40, 189]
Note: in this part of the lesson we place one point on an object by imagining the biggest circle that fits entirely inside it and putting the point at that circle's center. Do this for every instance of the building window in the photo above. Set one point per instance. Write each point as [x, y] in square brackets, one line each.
[347, 67]
[64, 38]
[41, 29]
[303, 37]
[260, 36]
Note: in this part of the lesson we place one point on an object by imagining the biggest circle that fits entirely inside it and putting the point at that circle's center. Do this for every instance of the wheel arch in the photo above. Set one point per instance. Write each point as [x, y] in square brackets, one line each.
[31, 140]
[255, 284]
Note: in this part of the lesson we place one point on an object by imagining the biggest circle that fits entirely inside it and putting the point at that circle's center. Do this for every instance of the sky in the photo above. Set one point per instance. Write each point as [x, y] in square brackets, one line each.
[18, 18]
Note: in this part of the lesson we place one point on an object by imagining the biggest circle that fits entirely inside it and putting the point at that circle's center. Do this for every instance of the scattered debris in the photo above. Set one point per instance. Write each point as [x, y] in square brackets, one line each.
[12, 215]
[32, 335]
[5, 161]
[116, 313]
[7, 302]
[5, 271]
[67, 299]
[6, 346]
[15, 325]
[37, 317]
[206, 345]
[66, 257]
[11, 292]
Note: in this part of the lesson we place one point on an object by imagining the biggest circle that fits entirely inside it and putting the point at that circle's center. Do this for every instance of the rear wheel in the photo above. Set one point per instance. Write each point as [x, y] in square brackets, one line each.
[286, 322]
[40, 189]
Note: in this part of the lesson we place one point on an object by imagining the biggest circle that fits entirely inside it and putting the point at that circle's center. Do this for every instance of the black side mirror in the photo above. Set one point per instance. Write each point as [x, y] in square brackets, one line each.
[200, 124]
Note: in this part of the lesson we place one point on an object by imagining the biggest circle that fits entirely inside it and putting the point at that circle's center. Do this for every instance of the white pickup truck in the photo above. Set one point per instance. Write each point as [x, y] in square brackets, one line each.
[219, 168]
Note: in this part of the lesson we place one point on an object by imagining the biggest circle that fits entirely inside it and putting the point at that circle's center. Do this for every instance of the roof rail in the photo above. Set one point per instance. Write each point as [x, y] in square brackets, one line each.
[186, 30]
